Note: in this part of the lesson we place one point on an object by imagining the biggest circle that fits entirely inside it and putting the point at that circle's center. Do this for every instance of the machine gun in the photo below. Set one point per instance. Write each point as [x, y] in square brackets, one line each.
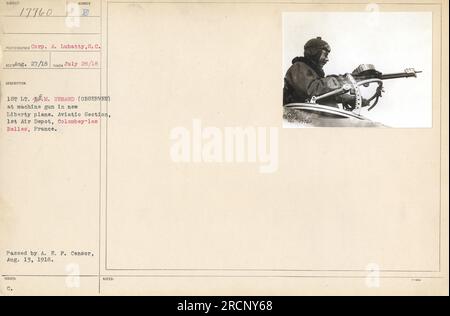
[347, 114]
[368, 71]
[364, 75]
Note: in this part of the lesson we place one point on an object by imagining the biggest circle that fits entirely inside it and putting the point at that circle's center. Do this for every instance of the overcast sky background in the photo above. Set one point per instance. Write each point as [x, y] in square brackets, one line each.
[392, 41]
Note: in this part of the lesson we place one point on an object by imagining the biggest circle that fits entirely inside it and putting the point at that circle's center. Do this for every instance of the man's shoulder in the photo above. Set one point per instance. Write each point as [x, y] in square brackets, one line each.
[301, 67]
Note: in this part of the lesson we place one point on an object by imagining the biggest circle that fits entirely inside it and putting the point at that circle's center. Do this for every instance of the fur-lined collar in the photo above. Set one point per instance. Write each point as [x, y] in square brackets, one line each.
[311, 64]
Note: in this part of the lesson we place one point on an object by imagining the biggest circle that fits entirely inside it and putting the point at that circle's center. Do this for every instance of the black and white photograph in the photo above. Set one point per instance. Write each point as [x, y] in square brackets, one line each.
[357, 69]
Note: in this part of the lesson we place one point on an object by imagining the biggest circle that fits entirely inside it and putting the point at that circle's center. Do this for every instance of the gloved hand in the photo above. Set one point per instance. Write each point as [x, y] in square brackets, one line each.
[336, 81]
[365, 102]
[342, 80]
[348, 101]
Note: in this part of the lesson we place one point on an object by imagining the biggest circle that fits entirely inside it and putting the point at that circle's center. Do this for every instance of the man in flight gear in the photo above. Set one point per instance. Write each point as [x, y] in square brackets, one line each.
[306, 78]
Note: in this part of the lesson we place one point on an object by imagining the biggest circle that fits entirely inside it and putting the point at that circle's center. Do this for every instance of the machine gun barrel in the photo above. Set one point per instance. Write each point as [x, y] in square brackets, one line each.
[404, 74]
[372, 74]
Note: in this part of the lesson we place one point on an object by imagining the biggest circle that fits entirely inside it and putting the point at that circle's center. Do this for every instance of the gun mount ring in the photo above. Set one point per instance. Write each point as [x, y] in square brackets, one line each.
[377, 94]
[355, 86]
